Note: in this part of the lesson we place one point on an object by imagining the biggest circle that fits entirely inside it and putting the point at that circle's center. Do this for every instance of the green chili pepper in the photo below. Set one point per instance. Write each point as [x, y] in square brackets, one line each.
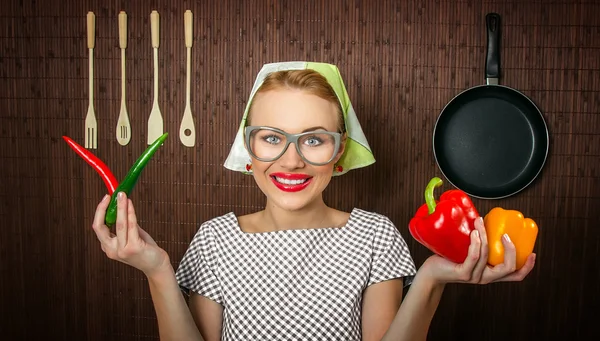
[131, 179]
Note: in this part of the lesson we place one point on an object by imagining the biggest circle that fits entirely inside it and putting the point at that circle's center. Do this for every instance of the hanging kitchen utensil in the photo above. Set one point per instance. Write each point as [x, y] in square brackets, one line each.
[491, 141]
[123, 125]
[91, 125]
[187, 132]
[155, 121]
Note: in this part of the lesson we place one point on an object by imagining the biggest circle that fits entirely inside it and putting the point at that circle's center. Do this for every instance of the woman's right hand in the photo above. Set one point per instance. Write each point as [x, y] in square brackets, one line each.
[131, 244]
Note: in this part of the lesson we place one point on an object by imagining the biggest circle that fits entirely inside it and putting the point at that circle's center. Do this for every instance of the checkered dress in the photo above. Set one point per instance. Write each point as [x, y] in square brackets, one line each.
[294, 284]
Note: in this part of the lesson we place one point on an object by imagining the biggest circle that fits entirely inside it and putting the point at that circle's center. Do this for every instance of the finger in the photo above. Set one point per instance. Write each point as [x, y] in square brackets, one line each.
[520, 274]
[136, 231]
[510, 253]
[483, 253]
[507, 267]
[466, 268]
[102, 232]
[483, 231]
[132, 232]
[121, 223]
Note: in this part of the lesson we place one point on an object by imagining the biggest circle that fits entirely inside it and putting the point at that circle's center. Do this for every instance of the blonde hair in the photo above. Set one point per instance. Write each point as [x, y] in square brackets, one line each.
[307, 80]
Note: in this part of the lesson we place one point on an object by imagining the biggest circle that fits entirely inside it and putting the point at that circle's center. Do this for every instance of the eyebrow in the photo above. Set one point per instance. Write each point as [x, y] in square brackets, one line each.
[305, 130]
[313, 129]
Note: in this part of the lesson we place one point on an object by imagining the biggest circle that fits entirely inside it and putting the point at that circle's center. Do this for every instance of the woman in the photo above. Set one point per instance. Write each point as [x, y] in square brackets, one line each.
[297, 269]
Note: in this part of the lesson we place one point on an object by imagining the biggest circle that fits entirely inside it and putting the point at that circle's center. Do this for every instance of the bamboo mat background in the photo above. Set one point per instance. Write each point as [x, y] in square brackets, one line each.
[401, 61]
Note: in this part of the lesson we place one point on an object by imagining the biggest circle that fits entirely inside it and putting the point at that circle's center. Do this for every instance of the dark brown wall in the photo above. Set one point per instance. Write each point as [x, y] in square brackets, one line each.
[401, 60]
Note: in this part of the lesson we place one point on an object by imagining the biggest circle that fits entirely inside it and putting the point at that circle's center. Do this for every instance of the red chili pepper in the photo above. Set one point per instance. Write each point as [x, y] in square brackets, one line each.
[444, 227]
[100, 167]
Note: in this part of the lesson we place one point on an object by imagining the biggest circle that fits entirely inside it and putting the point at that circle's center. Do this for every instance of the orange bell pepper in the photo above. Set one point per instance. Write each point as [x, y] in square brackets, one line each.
[521, 231]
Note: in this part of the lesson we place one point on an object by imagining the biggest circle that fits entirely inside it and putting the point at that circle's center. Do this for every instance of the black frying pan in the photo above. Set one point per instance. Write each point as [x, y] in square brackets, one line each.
[490, 141]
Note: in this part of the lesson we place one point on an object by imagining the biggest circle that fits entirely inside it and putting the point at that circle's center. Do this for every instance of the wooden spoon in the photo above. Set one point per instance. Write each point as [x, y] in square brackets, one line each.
[187, 132]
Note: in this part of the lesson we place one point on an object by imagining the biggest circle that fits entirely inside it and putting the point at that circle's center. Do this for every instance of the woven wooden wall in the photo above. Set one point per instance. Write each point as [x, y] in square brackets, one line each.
[401, 60]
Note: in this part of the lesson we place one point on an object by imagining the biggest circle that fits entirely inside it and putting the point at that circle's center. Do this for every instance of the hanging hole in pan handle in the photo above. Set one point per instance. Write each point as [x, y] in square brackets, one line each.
[492, 59]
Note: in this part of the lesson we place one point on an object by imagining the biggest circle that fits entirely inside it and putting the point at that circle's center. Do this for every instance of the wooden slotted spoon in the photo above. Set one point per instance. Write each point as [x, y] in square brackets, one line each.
[155, 121]
[123, 125]
[187, 132]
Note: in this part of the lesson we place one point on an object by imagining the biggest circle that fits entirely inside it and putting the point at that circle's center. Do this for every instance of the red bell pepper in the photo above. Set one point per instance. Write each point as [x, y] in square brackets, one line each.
[100, 167]
[444, 227]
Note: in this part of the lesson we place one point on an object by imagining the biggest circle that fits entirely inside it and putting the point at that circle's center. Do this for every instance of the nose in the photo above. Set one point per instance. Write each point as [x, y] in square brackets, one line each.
[290, 158]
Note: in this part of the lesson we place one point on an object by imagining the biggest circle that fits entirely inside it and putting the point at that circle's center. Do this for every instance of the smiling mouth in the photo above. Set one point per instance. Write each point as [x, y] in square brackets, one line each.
[291, 182]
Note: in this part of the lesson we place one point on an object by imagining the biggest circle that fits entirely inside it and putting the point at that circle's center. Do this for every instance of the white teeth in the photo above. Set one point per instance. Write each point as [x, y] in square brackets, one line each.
[290, 182]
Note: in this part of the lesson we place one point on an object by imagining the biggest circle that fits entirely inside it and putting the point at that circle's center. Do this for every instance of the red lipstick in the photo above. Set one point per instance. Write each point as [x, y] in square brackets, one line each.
[291, 176]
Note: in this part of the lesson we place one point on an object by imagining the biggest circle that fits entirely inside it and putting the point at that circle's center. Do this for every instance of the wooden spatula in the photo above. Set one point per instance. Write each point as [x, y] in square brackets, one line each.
[187, 132]
[155, 121]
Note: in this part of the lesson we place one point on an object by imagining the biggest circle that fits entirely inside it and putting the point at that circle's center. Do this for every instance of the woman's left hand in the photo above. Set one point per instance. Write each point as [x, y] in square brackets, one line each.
[475, 269]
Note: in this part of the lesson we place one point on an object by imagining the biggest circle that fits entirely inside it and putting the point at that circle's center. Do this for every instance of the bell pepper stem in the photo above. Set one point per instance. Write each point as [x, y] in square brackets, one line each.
[429, 198]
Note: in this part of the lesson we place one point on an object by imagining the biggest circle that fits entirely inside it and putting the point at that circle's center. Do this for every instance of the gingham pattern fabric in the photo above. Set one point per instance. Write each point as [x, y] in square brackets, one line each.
[295, 284]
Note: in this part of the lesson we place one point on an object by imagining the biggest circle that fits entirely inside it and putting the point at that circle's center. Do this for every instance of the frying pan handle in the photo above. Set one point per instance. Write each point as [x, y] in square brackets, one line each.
[492, 58]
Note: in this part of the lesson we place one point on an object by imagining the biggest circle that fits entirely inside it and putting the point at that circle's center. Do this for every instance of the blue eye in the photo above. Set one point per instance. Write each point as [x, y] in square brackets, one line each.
[313, 141]
[272, 139]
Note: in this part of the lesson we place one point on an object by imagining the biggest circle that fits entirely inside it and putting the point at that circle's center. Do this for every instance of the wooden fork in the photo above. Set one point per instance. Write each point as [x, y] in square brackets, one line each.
[91, 125]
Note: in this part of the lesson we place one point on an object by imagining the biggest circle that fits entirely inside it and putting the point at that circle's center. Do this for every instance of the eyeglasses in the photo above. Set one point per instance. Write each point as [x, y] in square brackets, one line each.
[315, 147]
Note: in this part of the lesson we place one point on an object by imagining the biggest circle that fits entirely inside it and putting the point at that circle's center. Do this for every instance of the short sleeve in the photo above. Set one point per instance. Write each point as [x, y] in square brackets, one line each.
[198, 267]
[391, 256]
